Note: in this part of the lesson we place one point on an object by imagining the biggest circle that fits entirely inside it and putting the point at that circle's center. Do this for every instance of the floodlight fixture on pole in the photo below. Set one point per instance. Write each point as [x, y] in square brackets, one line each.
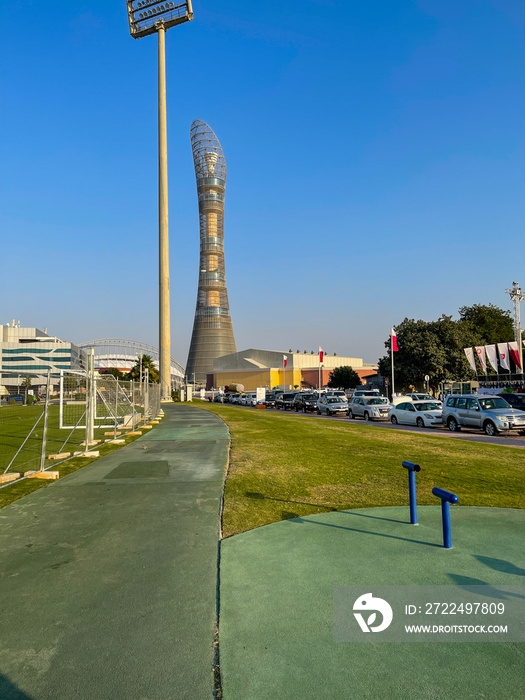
[516, 297]
[150, 17]
[146, 16]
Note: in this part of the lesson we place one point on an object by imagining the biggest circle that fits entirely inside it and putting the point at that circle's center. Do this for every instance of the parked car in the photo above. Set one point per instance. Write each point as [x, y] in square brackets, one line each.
[366, 391]
[285, 401]
[331, 405]
[369, 407]
[338, 393]
[218, 398]
[270, 399]
[492, 414]
[424, 414]
[423, 397]
[249, 398]
[515, 400]
[305, 402]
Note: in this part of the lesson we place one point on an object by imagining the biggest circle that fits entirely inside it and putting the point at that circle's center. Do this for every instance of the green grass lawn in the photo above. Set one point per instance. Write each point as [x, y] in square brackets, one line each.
[283, 466]
[16, 423]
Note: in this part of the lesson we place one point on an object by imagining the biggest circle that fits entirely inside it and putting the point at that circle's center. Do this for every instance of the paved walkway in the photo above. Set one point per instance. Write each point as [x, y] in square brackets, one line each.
[277, 606]
[108, 578]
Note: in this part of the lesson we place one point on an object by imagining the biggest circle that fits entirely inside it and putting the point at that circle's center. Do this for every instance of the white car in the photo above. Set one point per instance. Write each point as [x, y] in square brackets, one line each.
[340, 394]
[424, 397]
[249, 399]
[424, 414]
[331, 405]
[369, 407]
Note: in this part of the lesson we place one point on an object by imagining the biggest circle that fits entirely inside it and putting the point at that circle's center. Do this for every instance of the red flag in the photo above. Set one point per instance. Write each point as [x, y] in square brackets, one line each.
[285, 360]
[394, 341]
[321, 353]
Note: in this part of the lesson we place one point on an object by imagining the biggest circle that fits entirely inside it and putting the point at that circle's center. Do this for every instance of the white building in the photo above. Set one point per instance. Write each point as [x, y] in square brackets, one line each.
[31, 352]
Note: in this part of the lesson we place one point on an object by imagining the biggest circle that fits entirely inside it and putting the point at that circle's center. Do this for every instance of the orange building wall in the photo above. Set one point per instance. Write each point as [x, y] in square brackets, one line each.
[311, 376]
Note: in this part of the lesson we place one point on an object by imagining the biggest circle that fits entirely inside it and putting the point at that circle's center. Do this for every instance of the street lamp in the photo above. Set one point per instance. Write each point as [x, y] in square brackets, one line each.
[147, 17]
[516, 297]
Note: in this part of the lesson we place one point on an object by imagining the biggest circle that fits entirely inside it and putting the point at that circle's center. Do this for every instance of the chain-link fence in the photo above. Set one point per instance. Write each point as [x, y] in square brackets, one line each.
[44, 421]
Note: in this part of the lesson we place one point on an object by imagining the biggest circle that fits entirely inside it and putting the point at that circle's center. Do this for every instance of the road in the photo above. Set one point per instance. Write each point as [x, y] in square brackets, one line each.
[509, 440]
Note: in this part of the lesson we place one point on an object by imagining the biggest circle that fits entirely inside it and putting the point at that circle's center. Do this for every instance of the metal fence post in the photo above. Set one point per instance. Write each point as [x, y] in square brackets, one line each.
[146, 395]
[90, 397]
[44, 434]
[61, 402]
[116, 412]
[132, 405]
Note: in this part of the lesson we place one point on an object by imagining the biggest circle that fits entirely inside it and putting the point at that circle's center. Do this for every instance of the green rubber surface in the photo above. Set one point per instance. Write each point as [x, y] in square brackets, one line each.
[276, 614]
[108, 577]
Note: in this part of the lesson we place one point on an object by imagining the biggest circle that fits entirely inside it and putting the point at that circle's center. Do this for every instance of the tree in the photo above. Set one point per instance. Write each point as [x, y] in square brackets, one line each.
[487, 324]
[27, 384]
[146, 363]
[344, 378]
[435, 348]
[432, 348]
[114, 372]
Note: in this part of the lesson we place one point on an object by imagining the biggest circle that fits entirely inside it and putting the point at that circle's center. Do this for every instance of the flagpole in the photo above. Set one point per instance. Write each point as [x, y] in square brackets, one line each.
[320, 356]
[284, 374]
[392, 356]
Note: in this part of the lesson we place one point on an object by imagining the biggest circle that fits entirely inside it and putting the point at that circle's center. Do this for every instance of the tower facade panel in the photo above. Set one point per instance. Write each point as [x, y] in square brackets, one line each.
[212, 328]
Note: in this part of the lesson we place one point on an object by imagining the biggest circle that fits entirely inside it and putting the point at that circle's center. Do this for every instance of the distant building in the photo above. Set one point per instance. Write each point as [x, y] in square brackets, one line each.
[212, 328]
[264, 368]
[123, 354]
[32, 352]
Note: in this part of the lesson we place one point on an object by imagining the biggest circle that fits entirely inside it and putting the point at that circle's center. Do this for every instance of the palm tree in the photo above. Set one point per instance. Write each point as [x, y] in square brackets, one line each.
[144, 362]
[27, 384]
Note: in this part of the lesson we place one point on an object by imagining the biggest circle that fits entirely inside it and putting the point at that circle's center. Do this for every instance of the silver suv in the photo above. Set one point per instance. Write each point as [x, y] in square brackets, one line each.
[492, 414]
[369, 407]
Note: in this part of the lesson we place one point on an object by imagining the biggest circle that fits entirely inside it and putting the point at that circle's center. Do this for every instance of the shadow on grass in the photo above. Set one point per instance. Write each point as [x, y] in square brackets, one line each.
[261, 497]
[374, 517]
[300, 521]
[9, 691]
[492, 590]
[500, 565]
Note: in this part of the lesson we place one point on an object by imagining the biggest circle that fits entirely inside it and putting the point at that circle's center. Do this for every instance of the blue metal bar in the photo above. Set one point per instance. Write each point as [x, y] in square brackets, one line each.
[446, 499]
[445, 519]
[412, 496]
[412, 468]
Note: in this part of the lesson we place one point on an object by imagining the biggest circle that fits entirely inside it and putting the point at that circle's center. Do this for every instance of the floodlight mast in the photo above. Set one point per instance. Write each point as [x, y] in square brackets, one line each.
[516, 297]
[147, 17]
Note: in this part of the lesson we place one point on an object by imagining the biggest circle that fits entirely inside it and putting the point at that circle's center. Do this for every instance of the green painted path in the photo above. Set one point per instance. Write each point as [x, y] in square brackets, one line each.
[276, 614]
[108, 577]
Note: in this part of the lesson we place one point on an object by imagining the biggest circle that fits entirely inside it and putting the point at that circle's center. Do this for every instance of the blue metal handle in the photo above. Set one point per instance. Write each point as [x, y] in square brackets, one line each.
[411, 466]
[446, 499]
[445, 495]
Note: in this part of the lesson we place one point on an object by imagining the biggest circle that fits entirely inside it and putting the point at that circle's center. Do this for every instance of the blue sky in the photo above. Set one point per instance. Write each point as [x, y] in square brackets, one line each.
[375, 158]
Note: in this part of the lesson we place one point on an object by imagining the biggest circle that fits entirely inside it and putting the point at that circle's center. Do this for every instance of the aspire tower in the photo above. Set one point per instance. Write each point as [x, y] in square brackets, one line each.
[212, 328]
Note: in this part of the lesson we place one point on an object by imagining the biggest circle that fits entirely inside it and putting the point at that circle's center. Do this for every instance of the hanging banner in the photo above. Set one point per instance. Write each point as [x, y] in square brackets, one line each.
[469, 352]
[504, 356]
[321, 353]
[480, 349]
[515, 353]
[492, 356]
